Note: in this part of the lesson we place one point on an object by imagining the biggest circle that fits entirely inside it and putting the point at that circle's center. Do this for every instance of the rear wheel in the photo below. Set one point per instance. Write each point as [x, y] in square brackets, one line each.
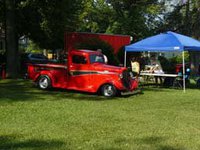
[44, 82]
[108, 90]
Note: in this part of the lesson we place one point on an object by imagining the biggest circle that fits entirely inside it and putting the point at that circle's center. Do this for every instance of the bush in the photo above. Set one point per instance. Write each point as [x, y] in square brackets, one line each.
[120, 55]
[168, 65]
[96, 43]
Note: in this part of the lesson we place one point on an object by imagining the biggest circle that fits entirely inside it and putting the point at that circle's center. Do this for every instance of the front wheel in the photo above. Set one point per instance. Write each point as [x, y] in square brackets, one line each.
[44, 82]
[108, 90]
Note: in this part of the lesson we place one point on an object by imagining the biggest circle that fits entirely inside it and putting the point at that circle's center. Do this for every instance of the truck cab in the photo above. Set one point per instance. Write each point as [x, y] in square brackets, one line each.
[85, 70]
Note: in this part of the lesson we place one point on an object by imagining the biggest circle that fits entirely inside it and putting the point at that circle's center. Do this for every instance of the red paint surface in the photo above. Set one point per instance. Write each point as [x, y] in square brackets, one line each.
[116, 41]
[82, 77]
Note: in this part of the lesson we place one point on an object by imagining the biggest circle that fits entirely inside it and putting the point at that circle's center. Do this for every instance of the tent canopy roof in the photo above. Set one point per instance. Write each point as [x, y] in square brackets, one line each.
[168, 41]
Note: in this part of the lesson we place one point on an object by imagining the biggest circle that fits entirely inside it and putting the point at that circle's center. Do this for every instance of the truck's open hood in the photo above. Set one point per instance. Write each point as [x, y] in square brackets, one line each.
[105, 67]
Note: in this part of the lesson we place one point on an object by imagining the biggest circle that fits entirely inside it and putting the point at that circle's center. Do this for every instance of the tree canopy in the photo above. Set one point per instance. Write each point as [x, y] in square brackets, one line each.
[185, 19]
[45, 21]
[135, 18]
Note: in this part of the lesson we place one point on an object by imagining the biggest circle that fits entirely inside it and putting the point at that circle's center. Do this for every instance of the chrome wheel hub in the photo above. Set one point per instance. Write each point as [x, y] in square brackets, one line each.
[108, 90]
[43, 83]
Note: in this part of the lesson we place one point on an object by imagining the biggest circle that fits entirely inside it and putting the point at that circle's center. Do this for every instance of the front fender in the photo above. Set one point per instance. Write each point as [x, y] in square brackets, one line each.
[117, 83]
[120, 86]
[134, 84]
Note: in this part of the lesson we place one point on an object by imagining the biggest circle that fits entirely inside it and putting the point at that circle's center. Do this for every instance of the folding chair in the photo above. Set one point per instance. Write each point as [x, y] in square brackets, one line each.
[178, 82]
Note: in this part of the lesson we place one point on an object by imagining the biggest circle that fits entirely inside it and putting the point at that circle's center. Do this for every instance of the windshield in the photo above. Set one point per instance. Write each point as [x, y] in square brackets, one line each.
[94, 58]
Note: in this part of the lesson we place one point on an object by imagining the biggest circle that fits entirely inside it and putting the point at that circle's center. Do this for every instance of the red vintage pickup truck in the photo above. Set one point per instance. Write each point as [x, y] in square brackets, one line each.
[85, 70]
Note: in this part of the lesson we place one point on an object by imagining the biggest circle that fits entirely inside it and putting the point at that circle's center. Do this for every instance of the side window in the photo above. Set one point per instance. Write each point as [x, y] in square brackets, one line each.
[97, 58]
[78, 59]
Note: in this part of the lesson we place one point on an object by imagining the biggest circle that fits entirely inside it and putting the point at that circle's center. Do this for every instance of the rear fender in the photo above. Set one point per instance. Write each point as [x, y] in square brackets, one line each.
[46, 74]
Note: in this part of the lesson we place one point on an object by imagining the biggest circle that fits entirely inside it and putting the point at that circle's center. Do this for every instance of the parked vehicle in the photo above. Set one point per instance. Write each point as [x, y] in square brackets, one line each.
[34, 58]
[85, 71]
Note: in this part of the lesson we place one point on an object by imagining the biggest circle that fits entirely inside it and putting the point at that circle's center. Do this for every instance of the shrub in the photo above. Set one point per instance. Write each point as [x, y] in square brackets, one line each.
[120, 55]
[168, 65]
[96, 43]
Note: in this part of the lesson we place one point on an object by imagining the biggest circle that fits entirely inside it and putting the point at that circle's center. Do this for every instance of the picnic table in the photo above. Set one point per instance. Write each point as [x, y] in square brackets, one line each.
[169, 79]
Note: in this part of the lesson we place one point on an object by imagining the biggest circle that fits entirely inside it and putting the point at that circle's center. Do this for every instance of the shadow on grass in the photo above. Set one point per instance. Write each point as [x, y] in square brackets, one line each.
[154, 87]
[24, 90]
[80, 95]
[11, 142]
[157, 143]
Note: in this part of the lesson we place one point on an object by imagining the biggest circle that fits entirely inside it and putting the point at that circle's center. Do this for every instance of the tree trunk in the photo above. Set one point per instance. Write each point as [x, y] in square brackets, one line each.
[12, 65]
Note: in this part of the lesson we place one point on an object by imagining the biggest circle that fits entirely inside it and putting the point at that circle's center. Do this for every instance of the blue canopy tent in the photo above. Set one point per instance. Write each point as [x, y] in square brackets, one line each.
[165, 42]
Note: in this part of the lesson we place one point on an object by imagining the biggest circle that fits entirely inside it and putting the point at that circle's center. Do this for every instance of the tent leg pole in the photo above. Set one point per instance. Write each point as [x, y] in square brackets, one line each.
[183, 55]
[125, 59]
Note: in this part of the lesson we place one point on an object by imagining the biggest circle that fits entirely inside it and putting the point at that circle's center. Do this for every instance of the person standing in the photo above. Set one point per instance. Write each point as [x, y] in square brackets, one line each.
[156, 68]
[135, 67]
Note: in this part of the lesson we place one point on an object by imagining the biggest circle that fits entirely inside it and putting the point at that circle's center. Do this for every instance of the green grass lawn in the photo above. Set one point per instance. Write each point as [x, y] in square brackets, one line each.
[158, 119]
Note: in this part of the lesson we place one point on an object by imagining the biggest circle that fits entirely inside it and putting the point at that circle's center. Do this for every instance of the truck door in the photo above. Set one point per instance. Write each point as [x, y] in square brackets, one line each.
[79, 78]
